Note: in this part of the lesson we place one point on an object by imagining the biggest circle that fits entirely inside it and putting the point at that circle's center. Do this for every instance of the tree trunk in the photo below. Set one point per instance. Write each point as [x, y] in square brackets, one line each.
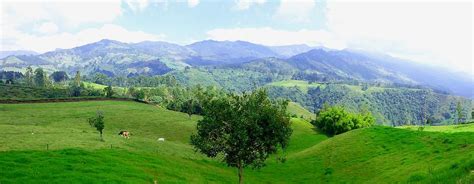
[241, 173]
[102, 139]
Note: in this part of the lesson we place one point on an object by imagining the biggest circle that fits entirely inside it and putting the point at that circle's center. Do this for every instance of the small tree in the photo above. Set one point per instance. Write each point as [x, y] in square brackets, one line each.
[189, 107]
[29, 76]
[77, 79]
[459, 112]
[77, 86]
[138, 94]
[47, 81]
[59, 76]
[244, 129]
[108, 91]
[39, 77]
[365, 87]
[97, 122]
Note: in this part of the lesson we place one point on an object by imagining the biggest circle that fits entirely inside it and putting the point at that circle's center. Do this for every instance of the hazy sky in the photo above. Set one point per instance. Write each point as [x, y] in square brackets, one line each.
[433, 32]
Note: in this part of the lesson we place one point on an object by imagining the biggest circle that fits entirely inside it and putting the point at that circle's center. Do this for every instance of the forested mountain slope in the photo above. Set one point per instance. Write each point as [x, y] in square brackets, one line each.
[320, 64]
[391, 106]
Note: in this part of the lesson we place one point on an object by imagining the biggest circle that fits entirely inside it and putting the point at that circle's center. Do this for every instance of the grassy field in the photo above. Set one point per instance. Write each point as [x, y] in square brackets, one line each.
[445, 128]
[94, 85]
[302, 85]
[299, 111]
[52, 143]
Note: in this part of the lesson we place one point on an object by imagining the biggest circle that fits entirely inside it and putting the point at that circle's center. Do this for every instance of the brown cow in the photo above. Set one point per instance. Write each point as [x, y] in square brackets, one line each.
[125, 134]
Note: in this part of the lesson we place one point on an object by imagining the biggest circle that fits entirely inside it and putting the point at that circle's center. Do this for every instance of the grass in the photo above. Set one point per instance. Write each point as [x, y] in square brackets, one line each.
[75, 154]
[298, 110]
[94, 85]
[444, 128]
[91, 85]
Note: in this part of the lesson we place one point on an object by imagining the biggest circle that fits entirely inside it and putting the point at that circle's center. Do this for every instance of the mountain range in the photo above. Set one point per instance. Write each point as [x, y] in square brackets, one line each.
[303, 62]
[4, 54]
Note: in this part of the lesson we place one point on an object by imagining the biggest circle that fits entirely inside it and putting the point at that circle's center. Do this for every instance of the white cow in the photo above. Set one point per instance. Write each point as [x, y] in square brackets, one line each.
[161, 139]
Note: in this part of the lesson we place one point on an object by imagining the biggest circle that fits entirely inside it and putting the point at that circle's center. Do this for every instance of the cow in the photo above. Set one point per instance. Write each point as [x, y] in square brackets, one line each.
[125, 134]
[161, 139]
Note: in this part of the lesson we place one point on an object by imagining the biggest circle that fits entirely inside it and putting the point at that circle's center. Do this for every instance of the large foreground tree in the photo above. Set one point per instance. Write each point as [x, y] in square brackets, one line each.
[244, 130]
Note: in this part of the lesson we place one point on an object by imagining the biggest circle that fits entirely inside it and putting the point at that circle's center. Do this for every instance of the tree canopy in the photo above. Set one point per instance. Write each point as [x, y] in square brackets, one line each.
[245, 129]
[59, 76]
[335, 120]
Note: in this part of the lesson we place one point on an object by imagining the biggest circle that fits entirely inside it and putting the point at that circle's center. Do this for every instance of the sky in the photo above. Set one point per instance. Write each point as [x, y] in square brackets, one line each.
[431, 32]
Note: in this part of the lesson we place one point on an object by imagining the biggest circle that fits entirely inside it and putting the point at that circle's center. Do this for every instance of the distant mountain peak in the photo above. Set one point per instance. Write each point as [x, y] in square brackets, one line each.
[108, 41]
[5, 54]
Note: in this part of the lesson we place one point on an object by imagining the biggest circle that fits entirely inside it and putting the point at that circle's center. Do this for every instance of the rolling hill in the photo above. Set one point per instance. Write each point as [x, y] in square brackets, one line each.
[54, 143]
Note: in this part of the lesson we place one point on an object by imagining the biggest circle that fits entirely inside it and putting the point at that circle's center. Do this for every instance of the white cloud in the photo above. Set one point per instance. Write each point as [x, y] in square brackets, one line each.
[245, 4]
[48, 28]
[21, 21]
[65, 13]
[137, 5]
[193, 3]
[45, 43]
[437, 33]
[273, 37]
[299, 11]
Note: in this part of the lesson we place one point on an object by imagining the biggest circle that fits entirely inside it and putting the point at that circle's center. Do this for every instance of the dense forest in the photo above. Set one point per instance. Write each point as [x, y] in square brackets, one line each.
[390, 106]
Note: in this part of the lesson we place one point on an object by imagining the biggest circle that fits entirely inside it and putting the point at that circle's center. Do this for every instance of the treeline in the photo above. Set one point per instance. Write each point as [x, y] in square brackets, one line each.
[184, 99]
[132, 81]
[10, 77]
[161, 90]
[37, 84]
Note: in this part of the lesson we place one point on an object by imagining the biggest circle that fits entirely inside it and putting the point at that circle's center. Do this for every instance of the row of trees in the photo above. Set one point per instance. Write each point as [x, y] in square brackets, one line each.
[33, 78]
[40, 78]
[133, 81]
[38, 84]
[190, 100]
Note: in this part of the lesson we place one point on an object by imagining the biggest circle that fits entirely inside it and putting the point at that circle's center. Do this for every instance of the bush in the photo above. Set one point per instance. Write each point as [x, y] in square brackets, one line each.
[156, 99]
[335, 120]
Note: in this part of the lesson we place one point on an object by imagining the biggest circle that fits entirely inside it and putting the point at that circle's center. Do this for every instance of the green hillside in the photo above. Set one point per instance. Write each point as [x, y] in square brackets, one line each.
[297, 110]
[75, 154]
[390, 105]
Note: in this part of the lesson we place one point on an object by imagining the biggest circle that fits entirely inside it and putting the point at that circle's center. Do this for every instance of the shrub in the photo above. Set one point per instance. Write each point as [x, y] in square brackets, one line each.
[335, 120]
